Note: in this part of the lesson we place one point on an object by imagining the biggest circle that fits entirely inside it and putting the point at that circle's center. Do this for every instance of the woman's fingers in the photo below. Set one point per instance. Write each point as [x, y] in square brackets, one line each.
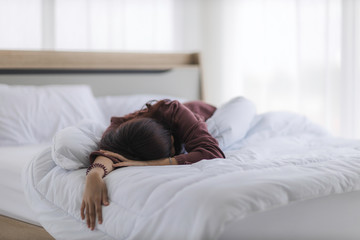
[82, 210]
[116, 155]
[92, 216]
[120, 164]
[98, 212]
[93, 210]
[110, 153]
[105, 199]
[87, 215]
[130, 163]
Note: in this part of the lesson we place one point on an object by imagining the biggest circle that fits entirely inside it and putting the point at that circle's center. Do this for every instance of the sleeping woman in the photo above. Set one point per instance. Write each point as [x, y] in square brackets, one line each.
[165, 133]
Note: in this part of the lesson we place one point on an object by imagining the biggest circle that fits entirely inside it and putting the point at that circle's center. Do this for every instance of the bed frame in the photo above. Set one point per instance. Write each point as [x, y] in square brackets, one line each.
[174, 74]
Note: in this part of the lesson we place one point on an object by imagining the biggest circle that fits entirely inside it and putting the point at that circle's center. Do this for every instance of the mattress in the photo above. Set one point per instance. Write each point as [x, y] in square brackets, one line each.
[332, 217]
[13, 202]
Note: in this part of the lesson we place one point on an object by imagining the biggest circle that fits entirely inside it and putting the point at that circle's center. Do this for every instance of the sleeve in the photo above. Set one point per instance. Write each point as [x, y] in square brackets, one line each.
[192, 131]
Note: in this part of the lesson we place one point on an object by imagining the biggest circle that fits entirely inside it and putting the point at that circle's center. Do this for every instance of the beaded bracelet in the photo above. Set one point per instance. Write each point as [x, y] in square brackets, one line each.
[97, 165]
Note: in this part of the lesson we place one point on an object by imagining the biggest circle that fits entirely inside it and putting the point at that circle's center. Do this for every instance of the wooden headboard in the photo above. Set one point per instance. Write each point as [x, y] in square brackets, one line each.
[108, 73]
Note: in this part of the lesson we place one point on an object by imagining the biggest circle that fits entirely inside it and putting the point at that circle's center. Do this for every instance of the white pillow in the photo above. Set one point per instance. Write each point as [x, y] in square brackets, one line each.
[231, 121]
[72, 145]
[33, 114]
[122, 105]
[274, 124]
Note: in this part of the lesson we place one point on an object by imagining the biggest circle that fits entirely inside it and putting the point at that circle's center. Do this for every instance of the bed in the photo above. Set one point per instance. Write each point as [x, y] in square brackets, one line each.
[286, 178]
[136, 74]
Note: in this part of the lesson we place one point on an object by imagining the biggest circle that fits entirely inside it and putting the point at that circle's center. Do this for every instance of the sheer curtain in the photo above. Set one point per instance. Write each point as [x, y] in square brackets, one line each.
[104, 25]
[350, 87]
[298, 55]
[20, 24]
[134, 25]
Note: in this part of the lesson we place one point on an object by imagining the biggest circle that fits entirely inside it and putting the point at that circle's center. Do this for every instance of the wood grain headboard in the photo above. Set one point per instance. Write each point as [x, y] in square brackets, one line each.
[108, 73]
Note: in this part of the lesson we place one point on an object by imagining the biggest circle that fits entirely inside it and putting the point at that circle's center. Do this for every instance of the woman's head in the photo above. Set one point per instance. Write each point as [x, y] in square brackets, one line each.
[139, 139]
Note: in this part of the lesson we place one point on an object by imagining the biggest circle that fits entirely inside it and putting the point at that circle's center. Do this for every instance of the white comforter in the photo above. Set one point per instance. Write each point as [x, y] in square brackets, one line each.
[283, 159]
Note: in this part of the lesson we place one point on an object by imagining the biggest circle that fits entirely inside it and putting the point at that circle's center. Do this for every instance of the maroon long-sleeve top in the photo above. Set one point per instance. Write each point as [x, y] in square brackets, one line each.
[187, 121]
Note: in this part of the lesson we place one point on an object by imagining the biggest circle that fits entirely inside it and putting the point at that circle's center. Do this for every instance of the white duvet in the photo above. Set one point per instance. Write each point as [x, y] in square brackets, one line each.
[282, 159]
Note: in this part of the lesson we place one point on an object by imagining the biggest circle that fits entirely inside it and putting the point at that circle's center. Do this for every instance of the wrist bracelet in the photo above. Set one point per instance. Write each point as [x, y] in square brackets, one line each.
[97, 165]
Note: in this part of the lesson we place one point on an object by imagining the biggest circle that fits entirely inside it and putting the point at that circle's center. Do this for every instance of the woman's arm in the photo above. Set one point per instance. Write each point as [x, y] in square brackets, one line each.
[124, 162]
[95, 193]
[164, 161]
[192, 131]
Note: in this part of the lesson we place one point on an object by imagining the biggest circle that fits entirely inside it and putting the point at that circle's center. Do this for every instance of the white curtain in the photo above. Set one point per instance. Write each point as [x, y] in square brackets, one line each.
[350, 78]
[105, 25]
[130, 25]
[134, 25]
[298, 55]
[20, 24]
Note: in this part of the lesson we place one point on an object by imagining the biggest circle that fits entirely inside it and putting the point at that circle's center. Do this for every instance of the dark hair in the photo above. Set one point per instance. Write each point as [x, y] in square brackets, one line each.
[139, 139]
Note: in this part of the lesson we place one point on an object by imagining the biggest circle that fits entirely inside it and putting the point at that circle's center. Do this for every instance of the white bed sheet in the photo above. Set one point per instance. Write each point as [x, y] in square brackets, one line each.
[12, 202]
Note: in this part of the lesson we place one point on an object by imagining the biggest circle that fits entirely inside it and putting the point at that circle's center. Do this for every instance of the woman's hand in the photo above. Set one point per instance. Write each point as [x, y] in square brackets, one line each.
[125, 162]
[95, 195]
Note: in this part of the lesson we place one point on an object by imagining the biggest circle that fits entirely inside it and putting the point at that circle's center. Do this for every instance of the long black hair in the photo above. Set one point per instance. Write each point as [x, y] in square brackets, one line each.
[139, 139]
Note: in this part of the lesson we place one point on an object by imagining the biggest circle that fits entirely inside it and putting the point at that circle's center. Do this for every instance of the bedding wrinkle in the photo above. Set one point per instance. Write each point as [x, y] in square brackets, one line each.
[166, 180]
[170, 201]
[12, 161]
[280, 186]
[46, 198]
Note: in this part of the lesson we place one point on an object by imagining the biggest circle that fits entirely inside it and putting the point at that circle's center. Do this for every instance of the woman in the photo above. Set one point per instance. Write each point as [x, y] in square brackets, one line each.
[166, 133]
